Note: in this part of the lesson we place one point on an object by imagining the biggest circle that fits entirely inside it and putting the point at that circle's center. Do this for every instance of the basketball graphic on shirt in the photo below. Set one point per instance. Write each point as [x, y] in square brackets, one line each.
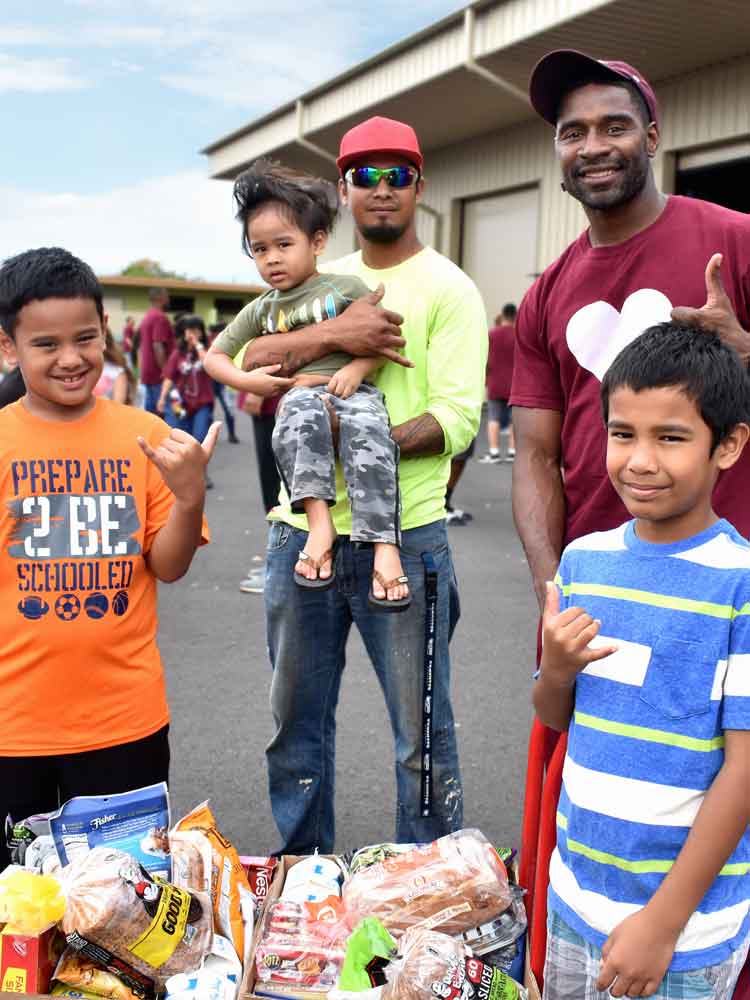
[33, 608]
[598, 332]
[96, 605]
[120, 603]
[67, 607]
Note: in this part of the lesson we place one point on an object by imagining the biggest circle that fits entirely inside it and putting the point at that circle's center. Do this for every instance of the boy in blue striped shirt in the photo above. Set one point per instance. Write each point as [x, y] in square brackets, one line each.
[646, 661]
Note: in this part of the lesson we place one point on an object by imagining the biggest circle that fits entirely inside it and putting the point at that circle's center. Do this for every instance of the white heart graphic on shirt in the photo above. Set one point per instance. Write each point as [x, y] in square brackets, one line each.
[598, 332]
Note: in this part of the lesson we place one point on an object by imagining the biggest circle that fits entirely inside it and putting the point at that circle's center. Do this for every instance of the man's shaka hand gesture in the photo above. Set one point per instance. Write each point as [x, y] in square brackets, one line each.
[717, 315]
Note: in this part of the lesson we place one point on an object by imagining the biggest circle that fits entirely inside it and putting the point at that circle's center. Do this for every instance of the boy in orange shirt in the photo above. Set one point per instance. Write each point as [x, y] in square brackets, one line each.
[98, 501]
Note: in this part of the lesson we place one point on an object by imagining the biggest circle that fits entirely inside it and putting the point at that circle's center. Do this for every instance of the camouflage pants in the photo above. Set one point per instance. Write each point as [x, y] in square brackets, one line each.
[303, 446]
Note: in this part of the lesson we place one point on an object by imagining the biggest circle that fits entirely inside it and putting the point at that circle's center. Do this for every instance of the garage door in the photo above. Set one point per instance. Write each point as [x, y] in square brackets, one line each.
[498, 245]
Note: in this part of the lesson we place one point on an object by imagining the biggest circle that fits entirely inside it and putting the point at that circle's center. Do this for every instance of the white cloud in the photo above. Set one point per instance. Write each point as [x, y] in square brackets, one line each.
[253, 54]
[37, 76]
[184, 221]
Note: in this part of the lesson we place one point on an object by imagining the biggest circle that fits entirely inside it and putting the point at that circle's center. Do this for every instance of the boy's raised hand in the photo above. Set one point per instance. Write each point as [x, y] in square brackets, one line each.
[565, 639]
[182, 462]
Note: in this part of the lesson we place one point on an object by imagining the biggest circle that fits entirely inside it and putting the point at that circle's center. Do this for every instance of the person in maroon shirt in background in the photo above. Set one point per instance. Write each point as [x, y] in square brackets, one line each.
[128, 336]
[186, 397]
[156, 344]
[499, 378]
[645, 257]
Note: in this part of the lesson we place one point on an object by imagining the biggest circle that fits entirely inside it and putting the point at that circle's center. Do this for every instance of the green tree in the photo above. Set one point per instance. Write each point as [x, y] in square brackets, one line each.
[147, 268]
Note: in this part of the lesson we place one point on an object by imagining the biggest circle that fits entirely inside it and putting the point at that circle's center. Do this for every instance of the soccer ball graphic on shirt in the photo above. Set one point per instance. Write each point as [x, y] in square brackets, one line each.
[67, 607]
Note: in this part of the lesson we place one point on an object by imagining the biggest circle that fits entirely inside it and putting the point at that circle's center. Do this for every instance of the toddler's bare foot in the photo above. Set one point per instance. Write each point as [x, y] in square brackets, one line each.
[388, 565]
[319, 542]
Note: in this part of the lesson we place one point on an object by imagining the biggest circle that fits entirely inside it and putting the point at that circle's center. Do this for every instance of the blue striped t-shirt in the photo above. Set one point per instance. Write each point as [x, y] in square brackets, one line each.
[646, 738]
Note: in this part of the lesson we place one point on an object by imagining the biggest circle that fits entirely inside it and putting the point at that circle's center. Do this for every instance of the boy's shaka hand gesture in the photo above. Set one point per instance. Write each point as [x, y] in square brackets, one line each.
[182, 462]
[565, 640]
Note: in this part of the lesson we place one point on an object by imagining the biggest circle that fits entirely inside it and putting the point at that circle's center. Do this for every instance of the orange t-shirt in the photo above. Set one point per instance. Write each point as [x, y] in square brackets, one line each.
[79, 664]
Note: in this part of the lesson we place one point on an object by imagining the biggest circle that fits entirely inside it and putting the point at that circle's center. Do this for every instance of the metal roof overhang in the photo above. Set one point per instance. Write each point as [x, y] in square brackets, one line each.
[467, 75]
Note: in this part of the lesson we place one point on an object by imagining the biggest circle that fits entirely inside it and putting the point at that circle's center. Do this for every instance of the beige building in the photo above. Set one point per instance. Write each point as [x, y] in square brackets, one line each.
[493, 201]
[127, 295]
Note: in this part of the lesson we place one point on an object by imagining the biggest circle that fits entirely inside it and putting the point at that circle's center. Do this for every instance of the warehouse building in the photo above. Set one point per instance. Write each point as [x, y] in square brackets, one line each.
[493, 201]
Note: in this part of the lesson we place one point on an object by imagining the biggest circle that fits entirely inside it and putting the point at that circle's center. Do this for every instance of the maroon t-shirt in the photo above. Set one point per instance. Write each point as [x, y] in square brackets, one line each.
[500, 361]
[592, 302]
[191, 381]
[155, 328]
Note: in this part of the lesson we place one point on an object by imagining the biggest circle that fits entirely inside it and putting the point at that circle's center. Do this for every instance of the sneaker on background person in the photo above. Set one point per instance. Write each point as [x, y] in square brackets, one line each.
[254, 582]
[491, 458]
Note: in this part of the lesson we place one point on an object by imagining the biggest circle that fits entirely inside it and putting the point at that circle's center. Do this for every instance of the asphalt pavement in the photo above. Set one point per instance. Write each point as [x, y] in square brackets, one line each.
[212, 638]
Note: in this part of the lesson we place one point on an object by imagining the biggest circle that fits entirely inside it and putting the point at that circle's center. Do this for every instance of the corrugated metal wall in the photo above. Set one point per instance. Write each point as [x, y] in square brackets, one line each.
[709, 106]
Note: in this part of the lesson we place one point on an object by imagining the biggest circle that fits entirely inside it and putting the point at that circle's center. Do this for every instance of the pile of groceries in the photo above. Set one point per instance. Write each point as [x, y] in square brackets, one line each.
[105, 898]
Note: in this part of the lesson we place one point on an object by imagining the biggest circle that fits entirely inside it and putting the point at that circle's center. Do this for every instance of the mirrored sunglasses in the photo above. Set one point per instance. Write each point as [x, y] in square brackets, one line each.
[369, 177]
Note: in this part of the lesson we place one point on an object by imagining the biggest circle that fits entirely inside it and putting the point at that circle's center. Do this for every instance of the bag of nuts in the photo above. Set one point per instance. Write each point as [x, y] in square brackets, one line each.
[118, 915]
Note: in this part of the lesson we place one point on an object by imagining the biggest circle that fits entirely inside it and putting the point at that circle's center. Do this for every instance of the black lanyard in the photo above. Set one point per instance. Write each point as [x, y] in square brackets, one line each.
[430, 637]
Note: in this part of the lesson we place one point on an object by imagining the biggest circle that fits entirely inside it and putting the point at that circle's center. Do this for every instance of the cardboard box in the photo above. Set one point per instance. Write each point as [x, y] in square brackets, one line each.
[284, 865]
[27, 961]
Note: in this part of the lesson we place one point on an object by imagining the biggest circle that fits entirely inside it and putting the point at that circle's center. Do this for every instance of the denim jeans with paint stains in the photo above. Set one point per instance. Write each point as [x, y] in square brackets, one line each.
[307, 633]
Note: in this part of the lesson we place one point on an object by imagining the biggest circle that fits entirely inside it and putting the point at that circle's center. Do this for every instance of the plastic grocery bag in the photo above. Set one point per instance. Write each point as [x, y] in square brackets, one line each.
[453, 884]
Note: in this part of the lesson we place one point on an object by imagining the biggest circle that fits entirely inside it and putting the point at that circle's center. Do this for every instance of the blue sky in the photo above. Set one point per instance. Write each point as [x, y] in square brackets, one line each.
[104, 106]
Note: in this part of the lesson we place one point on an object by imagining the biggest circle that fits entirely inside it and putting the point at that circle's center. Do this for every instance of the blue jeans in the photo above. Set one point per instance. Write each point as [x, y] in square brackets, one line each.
[196, 423]
[307, 633]
[152, 396]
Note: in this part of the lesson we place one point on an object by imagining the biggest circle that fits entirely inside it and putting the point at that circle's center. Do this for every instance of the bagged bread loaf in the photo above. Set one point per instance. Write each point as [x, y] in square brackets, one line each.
[453, 884]
[437, 966]
[141, 929]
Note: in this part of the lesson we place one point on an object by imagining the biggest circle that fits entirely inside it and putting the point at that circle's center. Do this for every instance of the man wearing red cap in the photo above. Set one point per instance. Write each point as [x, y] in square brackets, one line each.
[433, 394]
[646, 257]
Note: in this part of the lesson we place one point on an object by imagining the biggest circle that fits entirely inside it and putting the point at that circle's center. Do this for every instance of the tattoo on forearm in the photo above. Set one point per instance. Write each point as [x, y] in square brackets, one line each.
[421, 436]
[290, 362]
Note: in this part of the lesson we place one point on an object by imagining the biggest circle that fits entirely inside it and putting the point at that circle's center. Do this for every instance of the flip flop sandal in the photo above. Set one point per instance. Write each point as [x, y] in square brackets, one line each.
[317, 583]
[382, 603]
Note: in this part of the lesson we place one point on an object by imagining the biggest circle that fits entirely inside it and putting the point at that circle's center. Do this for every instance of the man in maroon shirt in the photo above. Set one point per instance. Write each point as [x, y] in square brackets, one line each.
[499, 378]
[157, 343]
[646, 256]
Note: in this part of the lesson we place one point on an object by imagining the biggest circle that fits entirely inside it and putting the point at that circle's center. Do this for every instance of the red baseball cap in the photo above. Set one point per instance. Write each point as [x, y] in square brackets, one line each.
[562, 70]
[379, 135]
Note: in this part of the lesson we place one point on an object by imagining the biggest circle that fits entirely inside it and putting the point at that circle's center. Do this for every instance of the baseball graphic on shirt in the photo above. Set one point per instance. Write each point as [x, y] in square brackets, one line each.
[96, 605]
[598, 332]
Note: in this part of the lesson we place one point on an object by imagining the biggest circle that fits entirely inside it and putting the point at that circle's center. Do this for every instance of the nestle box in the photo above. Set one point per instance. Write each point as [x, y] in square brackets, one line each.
[27, 961]
[283, 867]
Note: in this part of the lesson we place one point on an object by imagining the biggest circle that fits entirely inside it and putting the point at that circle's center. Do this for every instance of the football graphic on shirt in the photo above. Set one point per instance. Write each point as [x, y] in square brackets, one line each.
[33, 608]
[598, 332]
